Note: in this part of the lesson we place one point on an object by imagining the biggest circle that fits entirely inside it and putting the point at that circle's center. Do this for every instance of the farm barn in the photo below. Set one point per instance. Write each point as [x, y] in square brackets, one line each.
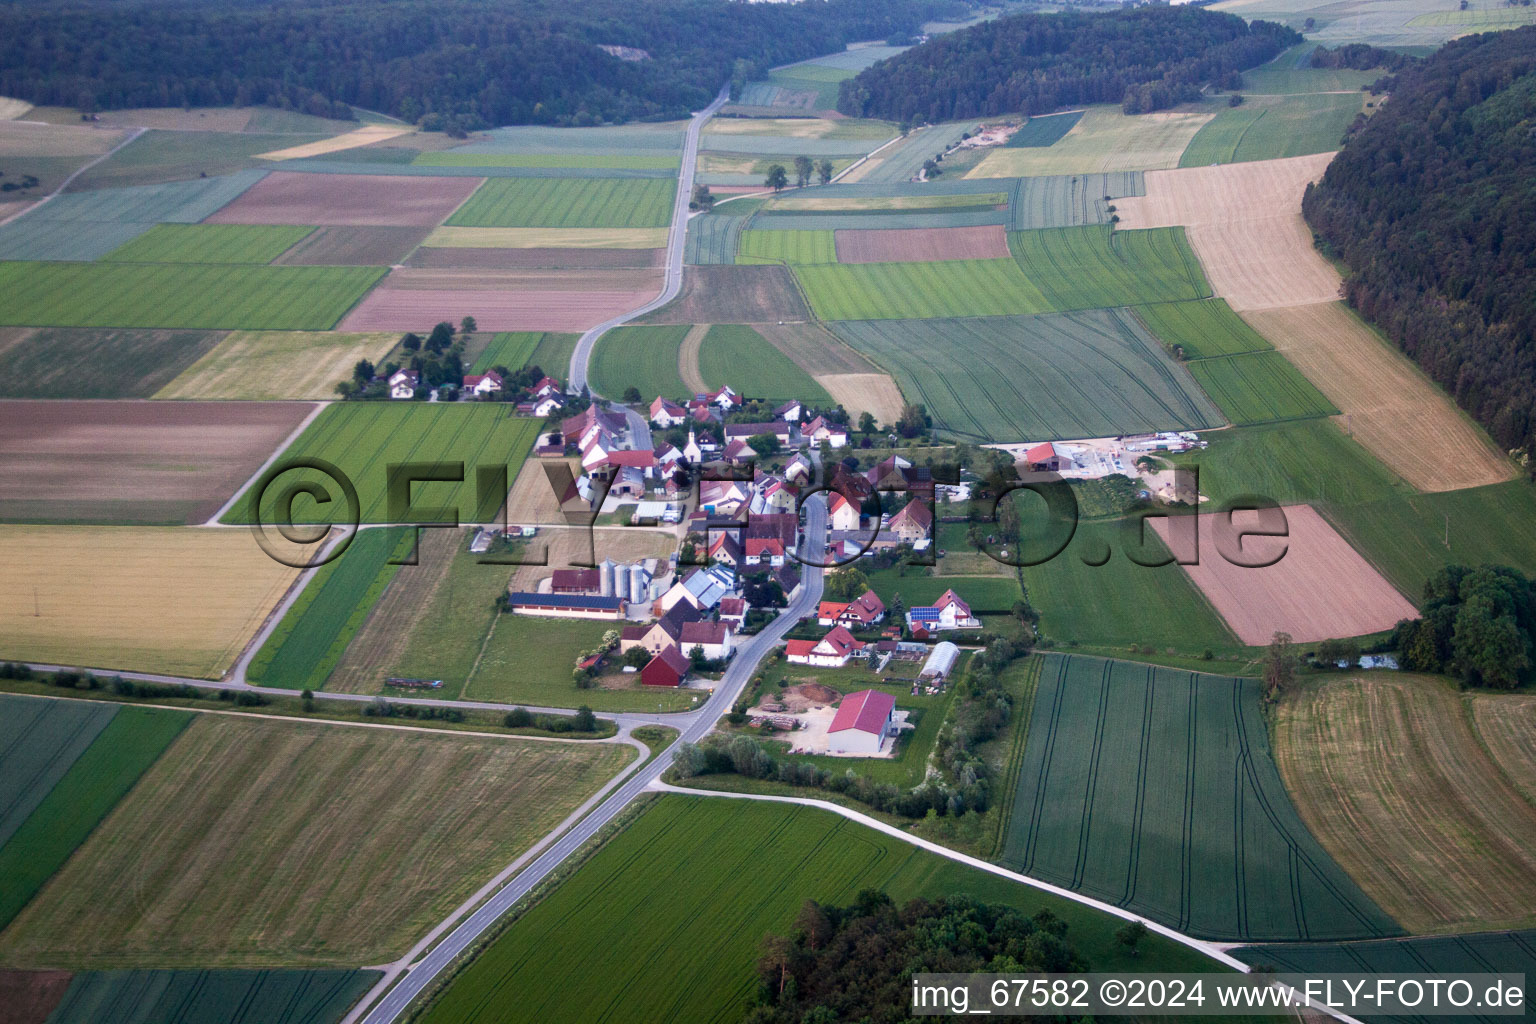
[863, 721]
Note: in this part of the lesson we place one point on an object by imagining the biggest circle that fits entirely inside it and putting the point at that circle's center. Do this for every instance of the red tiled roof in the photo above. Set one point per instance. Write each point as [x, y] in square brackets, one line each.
[830, 609]
[702, 633]
[732, 606]
[865, 711]
[841, 640]
[1040, 453]
[639, 458]
[764, 546]
[799, 648]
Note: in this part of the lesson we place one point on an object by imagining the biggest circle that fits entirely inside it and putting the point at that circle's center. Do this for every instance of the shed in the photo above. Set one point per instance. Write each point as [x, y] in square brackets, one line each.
[862, 722]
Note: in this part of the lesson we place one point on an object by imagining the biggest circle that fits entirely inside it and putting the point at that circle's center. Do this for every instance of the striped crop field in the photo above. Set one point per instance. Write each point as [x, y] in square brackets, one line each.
[786, 247]
[1155, 789]
[737, 355]
[1044, 131]
[277, 996]
[1199, 330]
[568, 203]
[210, 243]
[180, 295]
[1260, 387]
[364, 439]
[1095, 267]
[41, 739]
[953, 288]
[732, 870]
[1093, 373]
[867, 204]
[641, 357]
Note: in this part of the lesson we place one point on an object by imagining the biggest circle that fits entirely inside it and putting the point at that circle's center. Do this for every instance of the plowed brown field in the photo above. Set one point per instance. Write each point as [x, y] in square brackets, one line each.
[463, 257]
[337, 246]
[903, 245]
[289, 197]
[1319, 588]
[1389, 406]
[530, 300]
[734, 295]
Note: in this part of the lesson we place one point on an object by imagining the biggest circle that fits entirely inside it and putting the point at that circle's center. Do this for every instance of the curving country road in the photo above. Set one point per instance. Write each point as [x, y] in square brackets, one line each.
[698, 724]
[675, 237]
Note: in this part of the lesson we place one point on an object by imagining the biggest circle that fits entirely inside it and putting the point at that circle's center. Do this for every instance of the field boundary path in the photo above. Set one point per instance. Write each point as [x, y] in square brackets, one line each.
[135, 133]
[277, 453]
[419, 977]
[673, 280]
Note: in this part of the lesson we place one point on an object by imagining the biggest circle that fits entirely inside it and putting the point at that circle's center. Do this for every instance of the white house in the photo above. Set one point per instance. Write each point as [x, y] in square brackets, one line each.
[713, 637]
[821, 432]
[831, 651]
[691, 451]
[790, 411]
[403, 383]
[666, 414]
[862, 723]
[482, 384]
[842, 514]
[948, 612]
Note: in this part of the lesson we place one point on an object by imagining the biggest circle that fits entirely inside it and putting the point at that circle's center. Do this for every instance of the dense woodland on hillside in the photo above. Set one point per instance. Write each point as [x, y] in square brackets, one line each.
[477, 64]
[1433, 207]
[1145, 59]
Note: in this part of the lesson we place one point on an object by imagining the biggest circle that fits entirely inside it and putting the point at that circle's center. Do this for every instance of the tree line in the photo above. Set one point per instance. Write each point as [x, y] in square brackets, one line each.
[454, 64]
[1479, 625]
[1430, 205]
[1145, 58]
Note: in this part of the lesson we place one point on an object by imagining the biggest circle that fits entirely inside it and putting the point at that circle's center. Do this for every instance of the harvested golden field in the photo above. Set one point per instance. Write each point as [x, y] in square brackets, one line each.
[258, 842]
[1507, 727]
[1317, 587]
[815, 349]
[364, 136]
[1244, 221]
[11, 109]
[1389, 406]
[874, 393]
[1388, 774]
[176, 600]
[688, 359]
[547, 238]
[265, 365]
[1103, 140]
[29, 138]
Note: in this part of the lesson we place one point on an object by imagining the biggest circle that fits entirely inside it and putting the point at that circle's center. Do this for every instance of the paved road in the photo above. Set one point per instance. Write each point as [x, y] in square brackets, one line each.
[743, 665]
[675, 236]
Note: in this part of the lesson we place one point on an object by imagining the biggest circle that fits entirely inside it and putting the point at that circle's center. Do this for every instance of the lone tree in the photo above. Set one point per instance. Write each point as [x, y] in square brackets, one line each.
[702, 198]
[778, 178]
[632, 394]
[1279, 666]
[867, 424]
[764, 444]
[1131, 935]
[803, 171]
[824, 171]
[846, 584]
[468, 325]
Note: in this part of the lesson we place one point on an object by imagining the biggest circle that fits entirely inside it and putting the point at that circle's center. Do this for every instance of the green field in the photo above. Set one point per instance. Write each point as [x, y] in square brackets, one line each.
[176, 295]
[1309, 461]
[1284, 76]
[786, 247]
[1118, 602]
[1093, 267]
[1260, 387]
[737, 355]
[900, 291]
[98, 779]
[568, 203]
[1154, 789]
[363, 439]
[210, 243]
[553, 354]
[732, 871]
[594, 161]
[713, 237]
[642, 357]
[1069, 200]
[1269, 128]
[511, 349]
[168, 156]
[312, 637]
[1502, 952]
[211, 997]
[1045, 131]
[68, 362]
[1201, 329]
[41, 739]
[1475, 20]
[1094, 373]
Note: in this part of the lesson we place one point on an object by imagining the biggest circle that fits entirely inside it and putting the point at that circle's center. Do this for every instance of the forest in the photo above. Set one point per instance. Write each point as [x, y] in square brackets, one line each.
[1146, 58]
[460, 63]
[855, 963]
[1479, 625]
[1432, 205]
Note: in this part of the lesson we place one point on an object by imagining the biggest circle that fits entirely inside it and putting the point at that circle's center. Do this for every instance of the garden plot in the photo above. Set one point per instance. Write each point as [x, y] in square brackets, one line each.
[289, 197]
[1154, 789]
[1317, 587]
[133, 462]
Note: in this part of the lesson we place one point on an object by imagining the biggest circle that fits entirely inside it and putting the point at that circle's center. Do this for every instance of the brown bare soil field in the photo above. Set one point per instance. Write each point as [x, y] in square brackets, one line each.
[1507, 727]
[438, 279]
[815, 349]
[133, 462]
[406, 602]
[734, 295]
[688, 359]
[1244, 221]
[149, 599]
[28, 138]
[1388, 405]
[290, 197]
[364, 136]
[874, 393]
[1387, 772]
[412, 309]
[274, 843]
[466, 258]
[920, 245]
[338, 246]
[28, 997]
[1320, 588]
[179, 119]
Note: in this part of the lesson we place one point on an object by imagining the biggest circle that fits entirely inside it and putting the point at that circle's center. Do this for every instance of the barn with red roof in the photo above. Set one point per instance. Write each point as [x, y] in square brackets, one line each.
[862, 723]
